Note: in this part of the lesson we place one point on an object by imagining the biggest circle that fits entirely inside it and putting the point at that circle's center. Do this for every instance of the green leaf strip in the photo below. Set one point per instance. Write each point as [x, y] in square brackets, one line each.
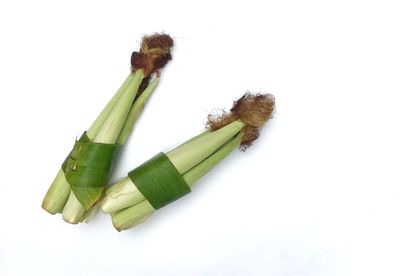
[87, 168]
[159, 181]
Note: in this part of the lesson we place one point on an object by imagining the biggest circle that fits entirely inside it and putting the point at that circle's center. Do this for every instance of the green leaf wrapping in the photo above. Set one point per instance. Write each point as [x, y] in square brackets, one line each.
[159, 181]
[87, 168]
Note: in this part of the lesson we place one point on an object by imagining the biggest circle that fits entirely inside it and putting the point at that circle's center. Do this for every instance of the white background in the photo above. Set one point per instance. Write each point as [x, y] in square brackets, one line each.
[317, 194]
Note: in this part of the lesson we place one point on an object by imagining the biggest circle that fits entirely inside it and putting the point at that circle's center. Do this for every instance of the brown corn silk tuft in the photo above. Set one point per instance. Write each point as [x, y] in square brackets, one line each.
[154, 54]
[253, 110]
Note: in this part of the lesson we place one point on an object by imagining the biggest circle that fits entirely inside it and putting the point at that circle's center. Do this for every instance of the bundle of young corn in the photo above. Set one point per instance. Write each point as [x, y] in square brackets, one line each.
[167, 177]
[81, 179]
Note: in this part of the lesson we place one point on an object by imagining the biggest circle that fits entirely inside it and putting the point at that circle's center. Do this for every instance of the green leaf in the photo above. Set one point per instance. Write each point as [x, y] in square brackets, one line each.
[87, 168]
[159, 181]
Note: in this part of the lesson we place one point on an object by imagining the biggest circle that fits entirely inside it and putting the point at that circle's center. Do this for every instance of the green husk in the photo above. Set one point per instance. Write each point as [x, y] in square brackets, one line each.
[114, 123]
[132, 116]
[87, 167]
[114, 186]
[90, 191]
[192, 153]
[194, 174]
[120, 182]
[97, 124]
[193, 159]
[58, 193]
[128, 193]
[73, 211]
[132, 216]
[135, 111]
[123, 195]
